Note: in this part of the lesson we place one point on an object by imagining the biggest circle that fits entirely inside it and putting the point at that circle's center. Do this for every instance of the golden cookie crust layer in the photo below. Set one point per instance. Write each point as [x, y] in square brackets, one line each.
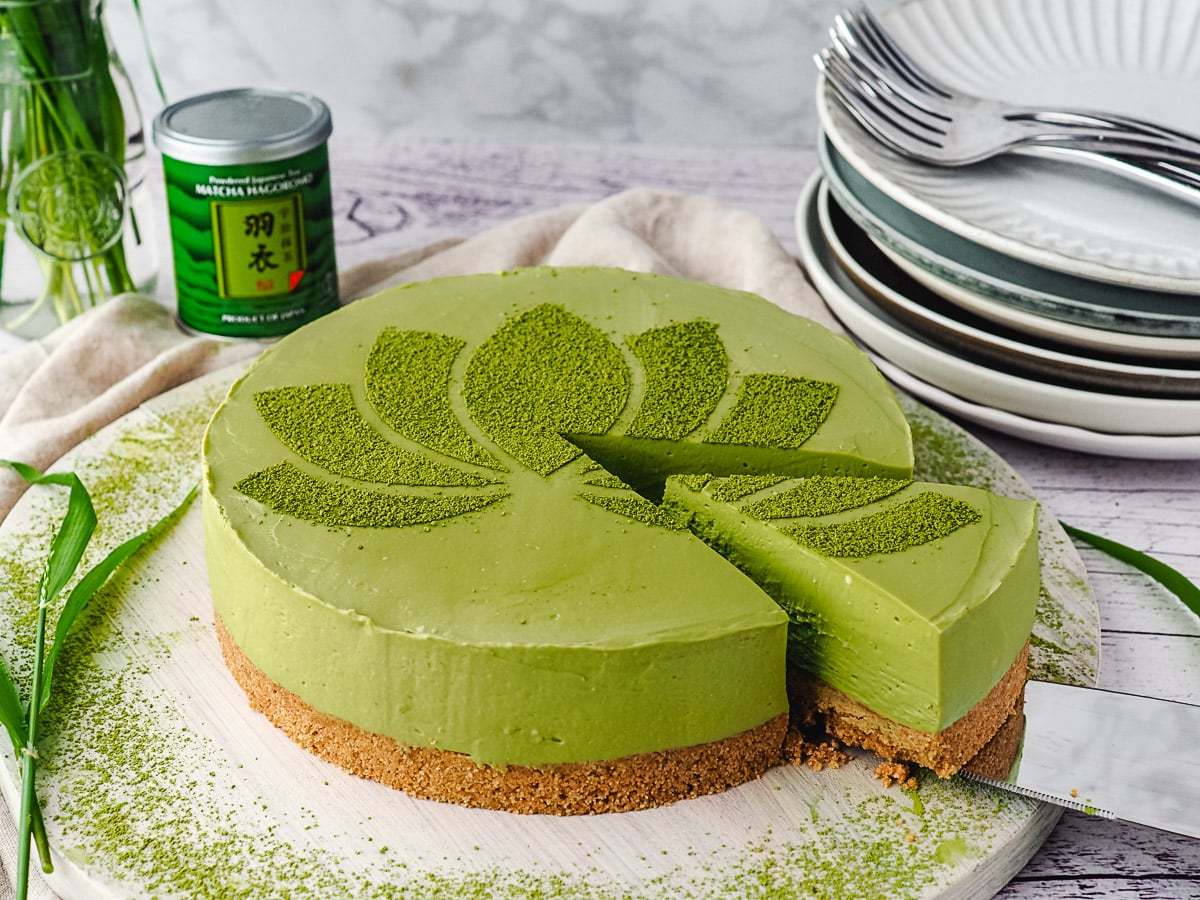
[945, 752]
[620, 785]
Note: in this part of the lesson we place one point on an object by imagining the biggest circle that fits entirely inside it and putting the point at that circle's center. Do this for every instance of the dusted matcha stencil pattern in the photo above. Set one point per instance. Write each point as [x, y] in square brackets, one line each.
[543, 374]
[927, 517]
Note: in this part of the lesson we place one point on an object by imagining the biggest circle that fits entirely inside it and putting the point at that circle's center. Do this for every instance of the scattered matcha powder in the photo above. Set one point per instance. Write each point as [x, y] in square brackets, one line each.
[926, 517]
[686, 369]
[776, 411]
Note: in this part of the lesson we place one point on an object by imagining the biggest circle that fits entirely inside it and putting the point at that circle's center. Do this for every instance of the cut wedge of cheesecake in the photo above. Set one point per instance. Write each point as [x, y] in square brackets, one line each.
[910, 604]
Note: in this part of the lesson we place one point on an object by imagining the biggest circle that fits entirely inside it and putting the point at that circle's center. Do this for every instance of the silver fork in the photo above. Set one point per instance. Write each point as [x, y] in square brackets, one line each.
[928, 120]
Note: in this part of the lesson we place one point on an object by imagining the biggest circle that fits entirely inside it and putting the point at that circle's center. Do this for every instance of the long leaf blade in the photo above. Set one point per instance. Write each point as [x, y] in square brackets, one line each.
[73, 536]
[91, 582]
[66, 552]
[162, 94]
[1172, 579]
[12, 713]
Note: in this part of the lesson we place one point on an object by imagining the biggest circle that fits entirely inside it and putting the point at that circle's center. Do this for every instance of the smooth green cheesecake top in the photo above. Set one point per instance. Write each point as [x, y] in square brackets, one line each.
[398, 532]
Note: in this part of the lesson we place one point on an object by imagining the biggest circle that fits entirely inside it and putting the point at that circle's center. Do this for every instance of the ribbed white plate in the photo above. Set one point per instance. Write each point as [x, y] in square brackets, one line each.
[1139, 57]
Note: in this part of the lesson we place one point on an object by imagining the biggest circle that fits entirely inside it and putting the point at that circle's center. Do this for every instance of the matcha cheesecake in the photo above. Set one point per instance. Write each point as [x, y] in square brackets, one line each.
[416, 575]
[582, 540]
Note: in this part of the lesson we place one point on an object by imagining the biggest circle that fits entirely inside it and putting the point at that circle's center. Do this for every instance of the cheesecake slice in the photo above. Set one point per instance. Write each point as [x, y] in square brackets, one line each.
[910, 605]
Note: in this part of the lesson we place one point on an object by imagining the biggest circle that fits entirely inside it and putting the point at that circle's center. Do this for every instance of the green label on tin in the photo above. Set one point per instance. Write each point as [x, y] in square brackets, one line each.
[253, 244]
[258, 246]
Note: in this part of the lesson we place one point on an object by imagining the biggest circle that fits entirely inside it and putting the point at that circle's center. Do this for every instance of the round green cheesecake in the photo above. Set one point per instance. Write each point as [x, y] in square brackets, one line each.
[400, 533]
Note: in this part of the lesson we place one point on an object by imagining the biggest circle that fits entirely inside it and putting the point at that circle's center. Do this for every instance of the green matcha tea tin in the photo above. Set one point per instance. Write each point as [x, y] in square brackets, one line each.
[248, 198]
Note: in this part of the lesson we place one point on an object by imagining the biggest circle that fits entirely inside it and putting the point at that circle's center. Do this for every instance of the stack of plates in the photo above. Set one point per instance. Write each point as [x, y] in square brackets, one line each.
[1053, 302]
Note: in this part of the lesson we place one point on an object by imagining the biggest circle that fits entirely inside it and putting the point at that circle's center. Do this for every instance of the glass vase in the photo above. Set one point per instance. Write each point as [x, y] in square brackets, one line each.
[75, 218]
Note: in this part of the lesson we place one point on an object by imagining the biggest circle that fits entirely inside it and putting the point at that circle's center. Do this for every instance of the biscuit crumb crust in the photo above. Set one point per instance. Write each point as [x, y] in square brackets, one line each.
[946, 751]
[619, 785]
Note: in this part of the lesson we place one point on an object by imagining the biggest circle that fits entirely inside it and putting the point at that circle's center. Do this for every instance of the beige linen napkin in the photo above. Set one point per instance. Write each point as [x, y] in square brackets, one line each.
[56, 392]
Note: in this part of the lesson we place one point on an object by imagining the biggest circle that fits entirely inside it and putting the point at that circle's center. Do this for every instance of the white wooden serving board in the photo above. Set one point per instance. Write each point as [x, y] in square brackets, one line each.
[158, 780]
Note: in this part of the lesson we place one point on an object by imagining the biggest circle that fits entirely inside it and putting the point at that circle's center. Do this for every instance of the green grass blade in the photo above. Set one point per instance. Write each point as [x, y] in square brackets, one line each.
[12, 713]
[1172, 579]
[73, 536]
[12, 716]
[137, 8]
[66, 552]
[87, 586]
[78, 599]
[29, 757]
[19, 738]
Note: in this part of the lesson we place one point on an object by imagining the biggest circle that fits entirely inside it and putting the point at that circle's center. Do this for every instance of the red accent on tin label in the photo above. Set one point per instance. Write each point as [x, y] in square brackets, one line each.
[294, 279]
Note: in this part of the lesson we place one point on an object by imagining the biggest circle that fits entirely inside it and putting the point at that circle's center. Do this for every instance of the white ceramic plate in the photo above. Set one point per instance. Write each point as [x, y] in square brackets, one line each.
[894, 341]
[1065, 437]
[1029, 298]
[159, 779]
[962, 334]
[1138, 57]
[1118, 343]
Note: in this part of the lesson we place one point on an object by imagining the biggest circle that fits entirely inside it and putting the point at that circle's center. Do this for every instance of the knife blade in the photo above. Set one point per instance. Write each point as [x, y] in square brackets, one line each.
[1110, 754]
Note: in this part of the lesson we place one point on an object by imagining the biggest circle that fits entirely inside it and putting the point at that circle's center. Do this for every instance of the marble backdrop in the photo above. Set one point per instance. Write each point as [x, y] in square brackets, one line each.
[703, 71]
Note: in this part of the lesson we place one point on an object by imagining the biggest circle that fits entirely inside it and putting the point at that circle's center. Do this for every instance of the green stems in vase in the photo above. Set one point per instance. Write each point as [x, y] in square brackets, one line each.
[65, 148]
